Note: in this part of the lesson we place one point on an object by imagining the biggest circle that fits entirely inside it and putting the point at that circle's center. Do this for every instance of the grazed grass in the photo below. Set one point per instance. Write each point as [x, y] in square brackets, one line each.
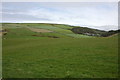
[78, 36]
[56, 29]
[39, 30]
[65, 57]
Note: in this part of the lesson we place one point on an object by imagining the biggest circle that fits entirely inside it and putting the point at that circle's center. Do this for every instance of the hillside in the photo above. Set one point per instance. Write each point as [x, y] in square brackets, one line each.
[58, 30]
[54, 51]
[94, 32]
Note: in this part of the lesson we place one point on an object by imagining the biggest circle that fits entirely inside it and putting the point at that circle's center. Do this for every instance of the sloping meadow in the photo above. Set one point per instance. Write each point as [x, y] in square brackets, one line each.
[30, 54]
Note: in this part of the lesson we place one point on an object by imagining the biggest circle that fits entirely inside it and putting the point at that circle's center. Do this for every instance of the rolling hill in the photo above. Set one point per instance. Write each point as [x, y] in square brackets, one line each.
[61, 29]
[55, 51]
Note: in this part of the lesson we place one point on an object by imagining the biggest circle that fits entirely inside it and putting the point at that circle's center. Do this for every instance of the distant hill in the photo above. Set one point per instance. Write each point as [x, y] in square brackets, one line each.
[93, 32]
[64, 29]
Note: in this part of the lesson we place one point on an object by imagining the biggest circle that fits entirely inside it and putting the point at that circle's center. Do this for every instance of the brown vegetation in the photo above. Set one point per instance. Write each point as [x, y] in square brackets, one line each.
[46, 36]
[39, 30]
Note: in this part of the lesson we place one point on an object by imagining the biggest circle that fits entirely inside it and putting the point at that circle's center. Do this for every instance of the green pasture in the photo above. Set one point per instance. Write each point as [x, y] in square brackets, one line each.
[28, 56]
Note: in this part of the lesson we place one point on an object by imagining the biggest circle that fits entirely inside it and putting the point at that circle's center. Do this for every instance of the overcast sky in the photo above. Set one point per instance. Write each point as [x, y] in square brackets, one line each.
[90, 14]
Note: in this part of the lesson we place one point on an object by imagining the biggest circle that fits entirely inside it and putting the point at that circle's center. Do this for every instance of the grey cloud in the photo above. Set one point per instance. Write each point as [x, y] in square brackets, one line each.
[7, 17]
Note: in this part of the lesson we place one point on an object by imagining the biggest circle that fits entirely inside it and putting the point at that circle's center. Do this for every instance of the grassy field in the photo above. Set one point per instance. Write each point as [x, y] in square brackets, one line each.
[67, 56]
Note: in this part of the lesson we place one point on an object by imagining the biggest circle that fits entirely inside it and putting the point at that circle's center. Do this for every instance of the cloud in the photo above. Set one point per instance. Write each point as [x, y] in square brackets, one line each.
[90, 14]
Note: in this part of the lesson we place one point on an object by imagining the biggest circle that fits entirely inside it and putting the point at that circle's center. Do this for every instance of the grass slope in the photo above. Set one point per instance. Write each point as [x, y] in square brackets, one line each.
[64, 57]
[59, 29]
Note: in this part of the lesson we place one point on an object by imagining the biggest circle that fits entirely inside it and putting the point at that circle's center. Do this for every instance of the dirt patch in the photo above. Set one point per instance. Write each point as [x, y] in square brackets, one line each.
[45, 36]
[39, 30]
[3, 32]
[112, 35]
[0, 33]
